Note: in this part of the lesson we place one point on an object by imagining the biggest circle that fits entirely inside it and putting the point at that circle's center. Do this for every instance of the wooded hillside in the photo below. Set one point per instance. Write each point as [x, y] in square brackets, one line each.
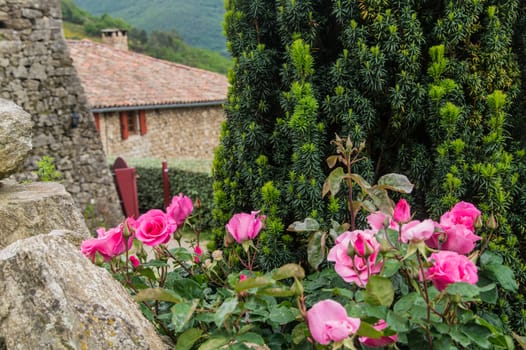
[79, 24]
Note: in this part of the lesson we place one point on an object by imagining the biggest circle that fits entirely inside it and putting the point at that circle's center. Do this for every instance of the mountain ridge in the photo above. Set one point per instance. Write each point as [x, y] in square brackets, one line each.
[199, 22]
[80, 24]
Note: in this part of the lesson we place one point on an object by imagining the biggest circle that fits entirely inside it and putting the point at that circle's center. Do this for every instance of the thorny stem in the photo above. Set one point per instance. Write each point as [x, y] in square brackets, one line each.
[245, 265]
[253, 257]
[349, 185]
[154, 311]
[485, 245]
[190, 272]
[426, 297]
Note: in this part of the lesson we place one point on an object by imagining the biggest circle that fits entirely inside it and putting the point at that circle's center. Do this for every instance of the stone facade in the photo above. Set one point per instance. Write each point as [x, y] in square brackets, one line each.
[37, 73]
[184, 133]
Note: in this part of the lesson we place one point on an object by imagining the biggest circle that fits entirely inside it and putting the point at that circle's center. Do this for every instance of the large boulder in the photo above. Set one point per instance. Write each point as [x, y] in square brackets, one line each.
[29, 209]
[15, 137]
[52, 297]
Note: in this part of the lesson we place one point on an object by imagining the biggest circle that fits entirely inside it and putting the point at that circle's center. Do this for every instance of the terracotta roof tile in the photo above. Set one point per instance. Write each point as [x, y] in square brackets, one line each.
[118, 78]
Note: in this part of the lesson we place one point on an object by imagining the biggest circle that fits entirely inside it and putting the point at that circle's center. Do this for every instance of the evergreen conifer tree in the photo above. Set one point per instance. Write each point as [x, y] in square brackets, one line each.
[434, 89]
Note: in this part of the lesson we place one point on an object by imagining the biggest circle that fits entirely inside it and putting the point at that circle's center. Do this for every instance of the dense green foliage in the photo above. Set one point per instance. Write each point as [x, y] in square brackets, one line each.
[164, 45]
[193, 184]
[433, 88]
[198, 21]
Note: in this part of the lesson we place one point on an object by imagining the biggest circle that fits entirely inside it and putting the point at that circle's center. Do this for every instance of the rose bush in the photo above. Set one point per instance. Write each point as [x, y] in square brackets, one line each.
[399, 283]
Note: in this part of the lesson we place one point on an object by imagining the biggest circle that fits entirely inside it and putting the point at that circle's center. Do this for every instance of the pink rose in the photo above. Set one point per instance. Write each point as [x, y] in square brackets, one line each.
[154, 227]
[242, 277]
[243, 226]
[382, 341]
[416, 231]
[357, 268]
[328, 321]
[378, 219]
[134, 261]
[109, 244]
[180, 208]
[460, 239]
[458, 227]
[450, 267]
[402, 212]
[462, 213]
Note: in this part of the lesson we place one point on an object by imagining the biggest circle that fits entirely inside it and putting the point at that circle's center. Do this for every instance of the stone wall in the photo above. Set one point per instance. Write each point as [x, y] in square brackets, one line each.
[37, 73]
[191, 132]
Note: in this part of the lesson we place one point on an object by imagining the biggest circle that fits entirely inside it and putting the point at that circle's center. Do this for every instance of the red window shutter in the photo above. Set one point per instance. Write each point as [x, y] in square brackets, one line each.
[124, 125]
[96, 116]
[142, 122]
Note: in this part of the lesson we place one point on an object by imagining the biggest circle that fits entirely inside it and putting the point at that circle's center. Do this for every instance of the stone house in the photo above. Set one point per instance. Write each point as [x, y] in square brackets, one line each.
[147, 107]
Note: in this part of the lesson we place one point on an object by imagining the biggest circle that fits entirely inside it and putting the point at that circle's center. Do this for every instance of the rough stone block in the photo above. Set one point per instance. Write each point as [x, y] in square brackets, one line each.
[29, 209]
[15, 137]
[52, 297]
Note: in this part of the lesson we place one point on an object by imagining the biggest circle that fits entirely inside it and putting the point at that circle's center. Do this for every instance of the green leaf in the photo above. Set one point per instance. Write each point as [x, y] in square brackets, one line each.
[464, 290]
[250, 337]
[502, 341]
[340, 291]
[307, 225]
[182, 254]
[276, 292]
[332, 160]
[404, 304]
[253, 282]
[489, 293]
[146, 272]
[333, 182]
[490, 258]
[182, 313]
[316, 249]
[504, 275]
[396, 182]
[391, 266]
[381, 199]
[159, 294]
[360, 181]
[188, 338]
[187, 287]
[459, 336]
[214, 343]
[367, 330]
[155, 263]
[478, 334]
[300, 332]
[225, 310]
[283, 315]
[288, 271]
[379, 291]
[397, 322]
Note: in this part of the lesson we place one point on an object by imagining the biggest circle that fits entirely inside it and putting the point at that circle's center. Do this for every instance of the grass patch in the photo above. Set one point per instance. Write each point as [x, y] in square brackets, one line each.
[194, 165]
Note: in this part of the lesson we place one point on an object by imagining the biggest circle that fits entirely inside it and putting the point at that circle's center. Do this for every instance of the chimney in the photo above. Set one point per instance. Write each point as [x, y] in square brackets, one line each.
[118, 38]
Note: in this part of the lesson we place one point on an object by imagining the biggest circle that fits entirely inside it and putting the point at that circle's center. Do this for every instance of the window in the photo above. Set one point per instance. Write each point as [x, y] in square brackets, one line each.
[132, 123]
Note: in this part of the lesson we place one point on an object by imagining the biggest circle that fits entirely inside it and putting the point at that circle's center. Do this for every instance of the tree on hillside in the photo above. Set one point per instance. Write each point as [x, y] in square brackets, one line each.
[432, 87]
